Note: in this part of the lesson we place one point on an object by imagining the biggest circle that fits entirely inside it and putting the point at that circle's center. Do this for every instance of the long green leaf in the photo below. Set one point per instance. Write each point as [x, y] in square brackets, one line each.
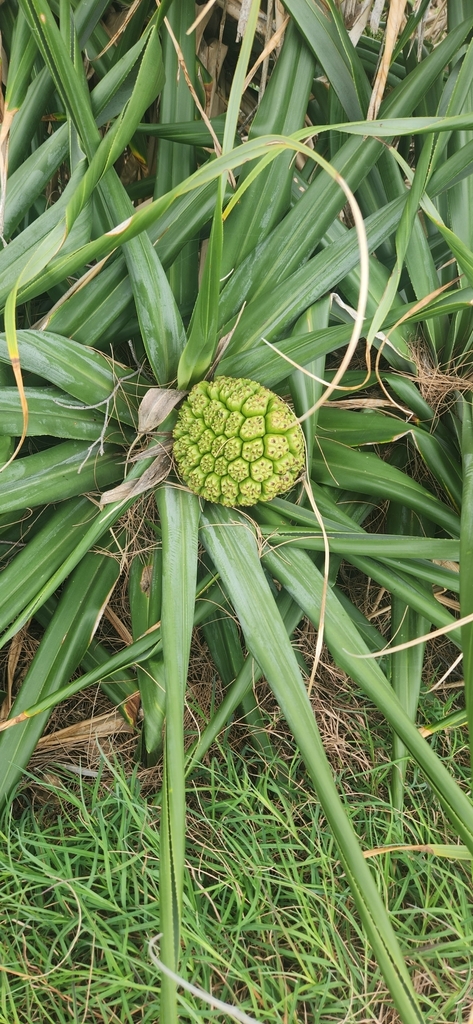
[397, 576]
[144, 581]
[147, 646]
[294, 570]
[306, 390]
[57, 473]
[292, 241]
[269, 315]
[242, 685]
[97, 526]
[56, 534]
[33, 174]
[232, 546]
[199, 351]
[179, 515]
[133, 224]
[176, 162]
[384, 546]
[201, 345]
[282, 109]
[86, 375]
[57, 59]
[162, 329]
[120, 687]
[406, 666]
[329, 41]
[65, 641]
[51, 412]
[334, 464]
[466, 559]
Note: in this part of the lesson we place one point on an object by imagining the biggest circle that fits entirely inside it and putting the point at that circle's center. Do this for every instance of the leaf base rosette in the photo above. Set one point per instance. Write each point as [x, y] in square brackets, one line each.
[237, 443]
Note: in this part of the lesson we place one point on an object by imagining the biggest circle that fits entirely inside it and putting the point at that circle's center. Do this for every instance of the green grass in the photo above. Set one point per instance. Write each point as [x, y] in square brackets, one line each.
[268, 919]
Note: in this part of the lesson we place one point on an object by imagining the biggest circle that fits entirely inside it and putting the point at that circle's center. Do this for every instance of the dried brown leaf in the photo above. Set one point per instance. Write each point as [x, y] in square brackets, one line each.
[393, 27]
[73, 735]
[155, 406]
[155, 474]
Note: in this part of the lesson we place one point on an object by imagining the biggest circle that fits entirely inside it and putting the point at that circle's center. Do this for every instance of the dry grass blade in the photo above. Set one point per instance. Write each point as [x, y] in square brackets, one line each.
[395, 16]
[308, 373]
[204, 11]
[451, 668]
[206, 120]
[361, 20]
[455, 852]
[233, 9]
[42, 324]
[123, 20]
[217, 1004]
[418, 640]
[119, 627]
[323, 602]
[274, 41]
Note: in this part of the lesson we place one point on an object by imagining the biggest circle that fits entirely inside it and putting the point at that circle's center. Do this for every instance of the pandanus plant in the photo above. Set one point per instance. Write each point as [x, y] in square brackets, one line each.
[108, 332]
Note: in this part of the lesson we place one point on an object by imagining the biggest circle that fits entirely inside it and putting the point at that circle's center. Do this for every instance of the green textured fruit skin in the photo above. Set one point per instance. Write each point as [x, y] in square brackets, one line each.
[237, 443]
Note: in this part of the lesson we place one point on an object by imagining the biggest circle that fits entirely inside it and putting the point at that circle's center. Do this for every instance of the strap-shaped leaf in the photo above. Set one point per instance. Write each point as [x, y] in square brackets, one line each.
[275, 309]
[57, 59]
[23, 52]
[140, 650]
[232, 546]
[51, 412]
[406, 666]
[120, 687]
[306, 388]
[22, 56]
[32, 175]
[66, 639]
[92, 315]
[97, 526]
[82, 372]
[161, 326]
[292, 569]
[466, 558]
[176, 163]
[397, 575]
[241, 687]
[331, 44]
[56, 474]
[144, 590]
[296, 237]
[199, 351]
[282, 109]
[132, 224]
[148, 84]
[29, 251]
[179, 515]
[367, 473]
[56, 534]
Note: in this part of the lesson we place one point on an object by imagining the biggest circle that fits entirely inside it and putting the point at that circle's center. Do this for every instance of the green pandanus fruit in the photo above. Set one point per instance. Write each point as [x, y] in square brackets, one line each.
[236, 442]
